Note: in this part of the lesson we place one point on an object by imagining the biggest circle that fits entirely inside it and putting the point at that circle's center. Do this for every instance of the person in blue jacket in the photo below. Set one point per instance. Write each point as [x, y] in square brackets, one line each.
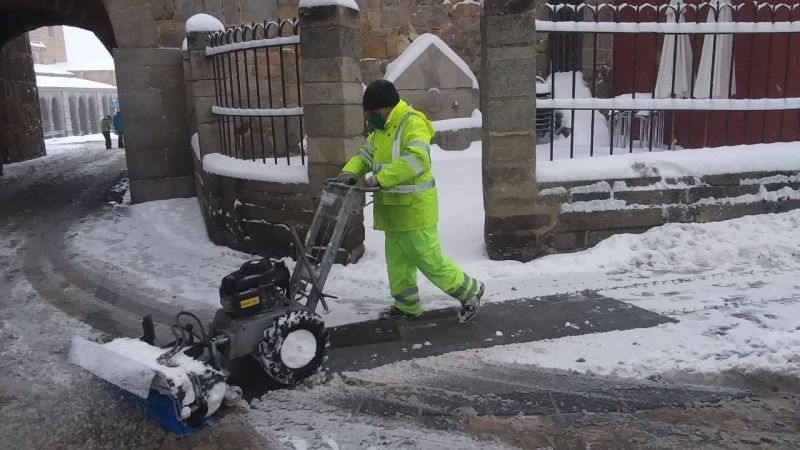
[117, 120]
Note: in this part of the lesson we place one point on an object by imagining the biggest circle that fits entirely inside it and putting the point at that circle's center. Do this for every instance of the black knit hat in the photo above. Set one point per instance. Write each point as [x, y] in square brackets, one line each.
[380, 94]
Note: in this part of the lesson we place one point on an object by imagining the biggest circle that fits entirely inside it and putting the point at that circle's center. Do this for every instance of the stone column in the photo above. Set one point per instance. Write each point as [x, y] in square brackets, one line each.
[153, 108]
[330, 74]
[200, 89]
[508, 94]
[21, 136]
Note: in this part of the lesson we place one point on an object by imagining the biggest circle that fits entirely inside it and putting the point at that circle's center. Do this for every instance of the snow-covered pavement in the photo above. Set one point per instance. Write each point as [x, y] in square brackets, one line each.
[732, 285]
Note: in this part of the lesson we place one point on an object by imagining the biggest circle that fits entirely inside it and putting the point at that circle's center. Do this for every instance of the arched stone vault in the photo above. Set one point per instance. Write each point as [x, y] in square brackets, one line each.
[145, 39]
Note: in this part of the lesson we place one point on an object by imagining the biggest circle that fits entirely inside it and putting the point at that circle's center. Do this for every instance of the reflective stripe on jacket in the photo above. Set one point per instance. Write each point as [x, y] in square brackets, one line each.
[399, 156]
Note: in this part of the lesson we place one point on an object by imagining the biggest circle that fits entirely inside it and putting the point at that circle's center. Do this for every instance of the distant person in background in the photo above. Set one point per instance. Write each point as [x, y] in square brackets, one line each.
[118, 129]
[105, 128]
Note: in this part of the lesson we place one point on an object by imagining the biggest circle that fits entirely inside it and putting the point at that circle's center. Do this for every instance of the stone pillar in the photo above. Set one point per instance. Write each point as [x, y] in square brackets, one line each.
[330, 74]
[153, 108]
[21, 136]
[200, 89]
[508, 94]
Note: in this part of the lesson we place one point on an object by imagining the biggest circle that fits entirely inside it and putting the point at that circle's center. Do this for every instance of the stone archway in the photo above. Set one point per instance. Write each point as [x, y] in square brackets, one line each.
[58, 116]
[83, 113]
[94, 117]
[145, 40]
[75, 128]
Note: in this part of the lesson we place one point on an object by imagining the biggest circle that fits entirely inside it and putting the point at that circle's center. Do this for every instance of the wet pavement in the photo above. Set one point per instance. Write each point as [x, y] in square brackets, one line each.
[374, 343]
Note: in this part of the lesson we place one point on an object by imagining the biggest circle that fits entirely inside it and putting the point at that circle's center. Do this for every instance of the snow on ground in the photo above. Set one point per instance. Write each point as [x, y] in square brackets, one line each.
[732, 285]
[744, 318]
[59, 143]
[164, 245]
[17, 177]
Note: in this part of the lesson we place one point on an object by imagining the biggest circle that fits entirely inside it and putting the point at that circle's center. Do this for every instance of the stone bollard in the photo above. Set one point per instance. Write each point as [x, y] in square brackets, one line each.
[514, 222]
[330, 74]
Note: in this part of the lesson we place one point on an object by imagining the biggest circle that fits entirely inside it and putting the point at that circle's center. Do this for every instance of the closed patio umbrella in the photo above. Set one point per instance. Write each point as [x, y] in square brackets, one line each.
[720, 50]
[676, 60]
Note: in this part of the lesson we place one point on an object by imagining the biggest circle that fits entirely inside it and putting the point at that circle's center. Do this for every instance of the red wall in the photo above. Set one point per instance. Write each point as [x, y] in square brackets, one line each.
[765, 66]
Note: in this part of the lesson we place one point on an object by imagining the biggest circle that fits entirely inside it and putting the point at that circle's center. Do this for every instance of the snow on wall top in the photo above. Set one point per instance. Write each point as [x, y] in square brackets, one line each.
[105, 64]
[674, 164]
[313, 3]
[219, 164]
[50, 69]
[70, 82]
[397, 67]
[203, 23]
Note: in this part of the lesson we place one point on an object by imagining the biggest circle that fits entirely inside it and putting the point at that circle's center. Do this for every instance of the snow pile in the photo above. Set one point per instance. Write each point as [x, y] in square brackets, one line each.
[397, 67]
[739, 334]
[764, 241]
[460, 123]
[219, 164]
[200, 23]
[314, 3]
[582, 119]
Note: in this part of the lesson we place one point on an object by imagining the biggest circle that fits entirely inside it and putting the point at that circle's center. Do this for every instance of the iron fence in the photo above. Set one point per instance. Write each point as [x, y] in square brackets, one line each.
[644, 77]
[257, 91]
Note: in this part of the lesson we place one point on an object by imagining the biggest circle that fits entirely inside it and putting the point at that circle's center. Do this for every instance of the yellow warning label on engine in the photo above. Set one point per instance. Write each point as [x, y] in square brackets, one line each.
[248, 302]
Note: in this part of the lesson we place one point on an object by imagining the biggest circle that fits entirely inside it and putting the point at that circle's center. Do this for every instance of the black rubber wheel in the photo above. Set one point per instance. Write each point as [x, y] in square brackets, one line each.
[294, 347]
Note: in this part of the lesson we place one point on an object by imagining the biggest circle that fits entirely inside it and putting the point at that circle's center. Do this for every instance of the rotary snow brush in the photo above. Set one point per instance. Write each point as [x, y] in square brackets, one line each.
[267, 314]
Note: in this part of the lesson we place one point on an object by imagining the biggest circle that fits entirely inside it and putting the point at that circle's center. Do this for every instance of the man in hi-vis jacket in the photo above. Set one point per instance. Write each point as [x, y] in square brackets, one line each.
[406, 208]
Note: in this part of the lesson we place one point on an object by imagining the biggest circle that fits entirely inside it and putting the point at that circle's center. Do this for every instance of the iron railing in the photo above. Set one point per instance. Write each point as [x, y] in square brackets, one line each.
[619, 49]
[257, 91]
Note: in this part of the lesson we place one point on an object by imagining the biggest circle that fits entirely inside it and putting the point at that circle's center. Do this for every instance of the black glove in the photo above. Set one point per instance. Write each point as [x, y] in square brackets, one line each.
[346, 178]
[372, 182]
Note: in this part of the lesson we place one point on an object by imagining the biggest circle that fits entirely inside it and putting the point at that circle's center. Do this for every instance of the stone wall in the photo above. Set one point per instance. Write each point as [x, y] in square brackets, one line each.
[582, 213]
[151, 87]
[389, 26]
[256, 216]
[20, 118]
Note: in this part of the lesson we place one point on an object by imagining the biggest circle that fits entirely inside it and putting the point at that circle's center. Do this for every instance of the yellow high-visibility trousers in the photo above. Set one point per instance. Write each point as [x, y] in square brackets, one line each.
[409, 251]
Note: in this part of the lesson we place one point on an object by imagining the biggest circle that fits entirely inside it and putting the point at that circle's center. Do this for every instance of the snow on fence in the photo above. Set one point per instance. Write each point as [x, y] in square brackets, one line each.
[647, 77]
[257, 91]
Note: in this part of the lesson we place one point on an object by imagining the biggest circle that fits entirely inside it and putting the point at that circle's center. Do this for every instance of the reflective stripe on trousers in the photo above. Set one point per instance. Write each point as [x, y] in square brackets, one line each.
[468, 289]
[410, 251]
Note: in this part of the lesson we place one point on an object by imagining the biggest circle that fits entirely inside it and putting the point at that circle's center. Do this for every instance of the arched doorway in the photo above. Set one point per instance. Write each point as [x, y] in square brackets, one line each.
[94, 117]
[83, 112]
[58, 117]
[47, 121]
[73, 117]
[140, 35]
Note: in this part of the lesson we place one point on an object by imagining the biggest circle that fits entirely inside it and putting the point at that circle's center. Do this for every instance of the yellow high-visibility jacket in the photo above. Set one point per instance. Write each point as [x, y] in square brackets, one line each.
[399, 157]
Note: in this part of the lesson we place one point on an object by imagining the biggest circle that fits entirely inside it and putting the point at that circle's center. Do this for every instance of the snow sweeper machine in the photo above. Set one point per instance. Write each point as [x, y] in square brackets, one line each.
[267, 313]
